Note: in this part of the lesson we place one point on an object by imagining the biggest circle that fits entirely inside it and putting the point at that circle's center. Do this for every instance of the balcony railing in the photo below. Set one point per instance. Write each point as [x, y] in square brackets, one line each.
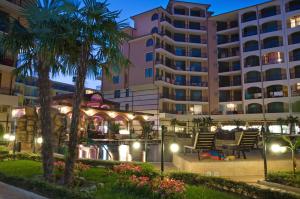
[182, 112]
[227, 26]
[294, 7]
[275, 77]
[269, 13]
[185, 39]
[294, 58]
[229, 40]
[228, 54]
[224, 69]
[270, 29]
[272, 61]
[275, 94]
[250, 48]
[191, 27]
[182, 83]
[252, 79]
[250, 33]
[253, 95]
[184, 98]
[230, 83]
[249, 18]
[183, 67]
[273, 44]
[230, 98]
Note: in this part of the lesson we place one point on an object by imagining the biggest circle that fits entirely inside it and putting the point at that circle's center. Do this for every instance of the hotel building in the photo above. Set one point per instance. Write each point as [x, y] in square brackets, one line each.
[8, 9]
[187, 62]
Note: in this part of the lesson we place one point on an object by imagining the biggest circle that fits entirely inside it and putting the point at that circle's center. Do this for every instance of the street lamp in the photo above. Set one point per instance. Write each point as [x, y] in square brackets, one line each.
[276, 148]
[136, 145]
[6, 136]
[174, 147]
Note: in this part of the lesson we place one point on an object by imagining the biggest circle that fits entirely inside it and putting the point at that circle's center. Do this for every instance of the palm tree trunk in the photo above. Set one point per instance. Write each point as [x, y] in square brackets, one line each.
[73, 138]
[46, 122]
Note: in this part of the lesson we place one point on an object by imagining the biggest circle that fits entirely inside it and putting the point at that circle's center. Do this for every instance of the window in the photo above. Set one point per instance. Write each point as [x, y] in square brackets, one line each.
[298, 86]
[116, 79]
[149, 56]
[149, 42]
[126, 107]
[154, 17]
[117, 94]
[295, 21]
[154, 30]
[148, 72]
[127, 92]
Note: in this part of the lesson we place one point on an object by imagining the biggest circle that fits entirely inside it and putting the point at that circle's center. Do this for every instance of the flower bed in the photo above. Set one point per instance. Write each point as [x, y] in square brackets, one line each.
[144, 183]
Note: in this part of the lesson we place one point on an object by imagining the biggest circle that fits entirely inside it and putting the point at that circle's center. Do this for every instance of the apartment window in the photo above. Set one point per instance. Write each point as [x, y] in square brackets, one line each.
[117, 94]
[148, 72]
[149, 42]
[295, 21]
[116, 79]
[154, 17]
[149, 56]
[154, 30]
[127, 92]
[298, 86]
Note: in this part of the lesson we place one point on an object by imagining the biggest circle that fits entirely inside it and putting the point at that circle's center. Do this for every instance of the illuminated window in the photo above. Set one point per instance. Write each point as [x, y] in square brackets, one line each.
[298, 86]
[295, 21]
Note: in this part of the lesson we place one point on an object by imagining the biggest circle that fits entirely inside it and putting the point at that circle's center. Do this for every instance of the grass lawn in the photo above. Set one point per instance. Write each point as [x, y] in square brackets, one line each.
[30, 169]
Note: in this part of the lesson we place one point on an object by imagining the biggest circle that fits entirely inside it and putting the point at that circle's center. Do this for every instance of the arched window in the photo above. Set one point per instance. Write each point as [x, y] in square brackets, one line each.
[154, 17]
[149, 42]
[154, 30]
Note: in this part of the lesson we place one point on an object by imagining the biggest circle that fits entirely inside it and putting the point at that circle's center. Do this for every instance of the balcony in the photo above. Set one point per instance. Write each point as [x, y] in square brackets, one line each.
[6, 91]
[181, 83]
[254, 108]
[294, 38]
[295, 75]
[181, 67]
[252, 79]
[225, 26]
[230, 98]
[274, 77]
[223, 68]
[294, 58]
[184, 98]
[222, 55]
[251, 61]
[183, 38]
[249, 95]
[292, 6]
[249, 31]
[269, 12]
[271, 43]
[252, 47]
[191, 25]
[250, 16]
[230, 83]
[228, 40]
[270, 27]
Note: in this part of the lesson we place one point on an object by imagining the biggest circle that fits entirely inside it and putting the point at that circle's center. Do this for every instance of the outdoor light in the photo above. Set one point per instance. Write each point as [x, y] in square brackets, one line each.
[6, 136]
[12, 138]
[130, 116]
[112, 114]
[276, 148]
[146, 117]
[174, 147]
[136, 145]
[39, 140]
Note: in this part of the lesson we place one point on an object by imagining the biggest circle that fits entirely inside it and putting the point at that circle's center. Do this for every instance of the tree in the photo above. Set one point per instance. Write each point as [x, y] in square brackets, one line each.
[174, 122]
[37, 46]
[95, 43]
[292, 121]
[293, 145]
[281, 122]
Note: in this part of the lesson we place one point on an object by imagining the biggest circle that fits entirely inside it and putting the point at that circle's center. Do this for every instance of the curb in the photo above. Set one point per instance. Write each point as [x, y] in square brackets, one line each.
[280, 186]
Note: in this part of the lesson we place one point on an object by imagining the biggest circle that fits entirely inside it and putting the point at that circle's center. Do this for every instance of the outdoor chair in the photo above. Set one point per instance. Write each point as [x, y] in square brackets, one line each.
[248, 141]
[203, 142]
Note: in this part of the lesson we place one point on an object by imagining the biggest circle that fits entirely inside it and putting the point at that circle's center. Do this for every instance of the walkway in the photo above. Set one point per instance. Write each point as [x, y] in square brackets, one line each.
[11, 192]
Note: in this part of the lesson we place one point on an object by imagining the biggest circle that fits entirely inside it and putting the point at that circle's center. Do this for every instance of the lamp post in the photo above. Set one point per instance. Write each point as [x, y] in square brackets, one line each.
[174, 148]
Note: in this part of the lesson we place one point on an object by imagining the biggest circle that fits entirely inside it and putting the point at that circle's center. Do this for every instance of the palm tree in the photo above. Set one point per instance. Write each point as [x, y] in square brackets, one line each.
[292, 121]
[281, 122]
[293, 145]
[174, 123]
[37, 46]
[95, 41]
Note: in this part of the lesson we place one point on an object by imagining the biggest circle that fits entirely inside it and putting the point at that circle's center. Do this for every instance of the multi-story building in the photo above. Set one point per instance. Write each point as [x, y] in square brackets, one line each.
[187, 62]
[8, 9]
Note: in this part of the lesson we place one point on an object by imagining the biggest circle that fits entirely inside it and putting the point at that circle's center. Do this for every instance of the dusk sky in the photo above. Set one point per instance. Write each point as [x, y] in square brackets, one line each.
[133, 7]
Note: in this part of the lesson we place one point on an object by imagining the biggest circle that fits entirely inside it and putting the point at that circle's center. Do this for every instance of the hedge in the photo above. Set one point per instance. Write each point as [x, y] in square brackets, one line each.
[221, 184]
[43, 188]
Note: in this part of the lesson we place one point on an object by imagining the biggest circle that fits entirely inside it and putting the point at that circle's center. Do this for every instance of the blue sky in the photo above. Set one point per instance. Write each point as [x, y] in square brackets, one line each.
[132, 7]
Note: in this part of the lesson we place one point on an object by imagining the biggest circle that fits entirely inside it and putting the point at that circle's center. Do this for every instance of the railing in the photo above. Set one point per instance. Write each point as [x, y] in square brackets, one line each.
[230, 99]
[222, 55]
[271, 29]
[224, 69]
[185, 39]
[269, 13]
[183, 83]
[191, 27]
[294, 40]
[248, 34]
[273, 61]
[184, 98]
[247, 65]
[252, 80]
[182, 112]
[294, 24]
[272, 45]
[247, 19]
[250, 48]
[182, 68]
[226, 41]
[294, 58]
[275, 94]
[290, 8]
[253, 95]
[230, 83]
[226, 27]
[274, 77]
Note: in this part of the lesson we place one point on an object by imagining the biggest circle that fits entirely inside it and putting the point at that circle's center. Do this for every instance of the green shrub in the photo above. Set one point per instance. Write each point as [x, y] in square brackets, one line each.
[44, 188]
[230, 186]
[286, 178]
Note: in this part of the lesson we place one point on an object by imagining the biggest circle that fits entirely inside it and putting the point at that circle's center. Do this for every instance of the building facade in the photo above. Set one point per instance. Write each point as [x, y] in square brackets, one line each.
[8, 9]
[187, 62]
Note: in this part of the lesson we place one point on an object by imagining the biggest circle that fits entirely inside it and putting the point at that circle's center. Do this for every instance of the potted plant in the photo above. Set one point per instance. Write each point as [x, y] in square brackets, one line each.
[113, 129]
